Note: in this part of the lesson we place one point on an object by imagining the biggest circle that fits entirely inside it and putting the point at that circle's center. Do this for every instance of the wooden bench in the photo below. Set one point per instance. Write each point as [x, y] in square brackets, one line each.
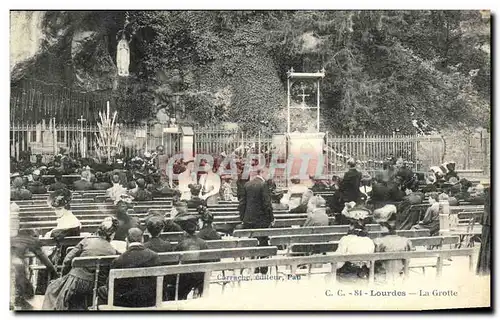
[179, 257]
[71, 242]
[268, 232]
[320, 247]
[46, 222]
[333, 260]
[80, 206]
[288, 240]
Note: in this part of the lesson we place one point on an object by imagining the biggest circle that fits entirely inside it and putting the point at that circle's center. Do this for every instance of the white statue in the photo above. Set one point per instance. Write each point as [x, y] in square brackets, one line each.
[123, 57]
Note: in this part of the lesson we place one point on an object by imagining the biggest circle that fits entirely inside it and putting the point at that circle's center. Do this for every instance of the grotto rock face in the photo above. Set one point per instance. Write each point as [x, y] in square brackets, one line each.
[94, 68]
[26, 36]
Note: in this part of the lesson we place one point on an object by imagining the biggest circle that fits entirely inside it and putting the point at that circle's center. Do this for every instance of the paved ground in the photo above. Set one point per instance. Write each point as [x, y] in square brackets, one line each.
[317, 292]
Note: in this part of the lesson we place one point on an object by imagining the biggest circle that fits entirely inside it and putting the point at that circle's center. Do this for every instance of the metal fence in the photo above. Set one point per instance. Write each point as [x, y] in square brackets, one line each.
[47, 139]
[212, 140]
[32, 101]
[371, 151]
[421, 152]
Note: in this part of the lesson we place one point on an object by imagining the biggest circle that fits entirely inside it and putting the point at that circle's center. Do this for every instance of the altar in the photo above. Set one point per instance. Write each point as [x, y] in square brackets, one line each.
[305, 142]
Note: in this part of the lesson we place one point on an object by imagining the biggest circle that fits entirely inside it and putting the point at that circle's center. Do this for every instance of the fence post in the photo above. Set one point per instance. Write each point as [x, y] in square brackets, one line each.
[486, 144]
[146, 129]
[259, 144]
[394, 143]
[365, 158]
[415, 157]
[55, 135]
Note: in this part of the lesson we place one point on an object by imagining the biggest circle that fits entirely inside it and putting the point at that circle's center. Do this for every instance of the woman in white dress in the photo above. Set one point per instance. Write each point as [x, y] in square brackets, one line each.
[67, 226]
[211, 183]
[186, 178]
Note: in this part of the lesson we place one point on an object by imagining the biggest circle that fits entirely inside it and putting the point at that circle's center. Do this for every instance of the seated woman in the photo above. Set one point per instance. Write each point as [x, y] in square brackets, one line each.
[320, 185]
[226, 191]
[67, 226]
[188, 281]
[36, 186]
[207, 232]
[366, 185]
[405, 217]
[304, 200]
[195, 199]
[450, 170]
[126, 221]
[292, 198]
[476, 195]
[101, 183]
[187, 177]
[18, 191]
[356, 241]
[380, 195]
[431, 218]
[396, 194]
[117, 190]
[159, 184]
[58, 184]
[353, 212]
[74, 290]
[431, 182]
[210, 182]
[387, 212]
[179, 208]
[316, 212]
[391, 243]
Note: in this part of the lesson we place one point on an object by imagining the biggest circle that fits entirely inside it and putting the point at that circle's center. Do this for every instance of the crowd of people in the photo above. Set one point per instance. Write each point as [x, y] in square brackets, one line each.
[356, 199]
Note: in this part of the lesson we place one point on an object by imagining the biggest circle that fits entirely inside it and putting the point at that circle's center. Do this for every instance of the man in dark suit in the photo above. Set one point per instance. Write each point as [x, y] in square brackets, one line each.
[351, 182]
[142, 194]
[155, 225]
[58, 184]
[256, 210]
[134, 292]
[35, 186]
[84, 183]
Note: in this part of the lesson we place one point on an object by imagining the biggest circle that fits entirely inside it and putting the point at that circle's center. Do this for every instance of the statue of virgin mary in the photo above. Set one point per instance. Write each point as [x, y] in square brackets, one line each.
[123, 57]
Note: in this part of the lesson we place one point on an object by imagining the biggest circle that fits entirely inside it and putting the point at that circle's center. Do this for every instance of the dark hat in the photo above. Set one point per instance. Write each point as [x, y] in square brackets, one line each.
[108, 226]
[207, 217]
[155, 223]
[201, 209]
[18, 182]
[358, 225]
[188, 222]
[59, 198]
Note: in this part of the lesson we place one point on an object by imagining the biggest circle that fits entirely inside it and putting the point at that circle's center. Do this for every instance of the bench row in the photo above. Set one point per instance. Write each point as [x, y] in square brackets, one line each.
[284, 236]
[275, 262]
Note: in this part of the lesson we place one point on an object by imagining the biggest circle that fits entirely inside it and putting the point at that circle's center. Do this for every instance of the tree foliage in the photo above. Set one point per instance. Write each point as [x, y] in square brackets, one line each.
[383, 68]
